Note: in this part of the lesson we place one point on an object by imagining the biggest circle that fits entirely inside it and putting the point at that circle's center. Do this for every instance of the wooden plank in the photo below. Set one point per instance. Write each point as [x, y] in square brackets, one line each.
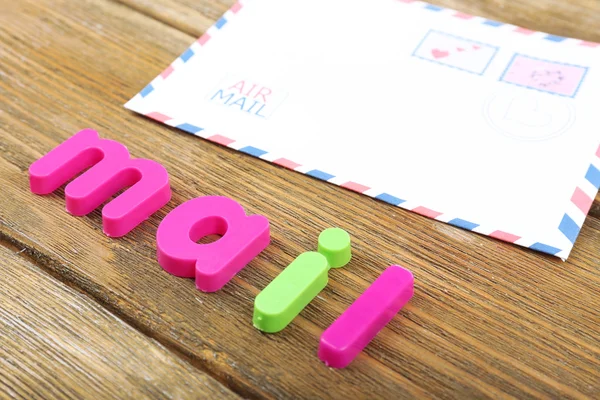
[578, 19]
[488, 318]
[59, 343]
[190, 16]
[595, 209]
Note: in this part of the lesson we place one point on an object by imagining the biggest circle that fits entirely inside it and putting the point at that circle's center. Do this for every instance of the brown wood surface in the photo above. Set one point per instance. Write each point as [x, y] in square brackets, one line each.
[488, 319]
[59, 343]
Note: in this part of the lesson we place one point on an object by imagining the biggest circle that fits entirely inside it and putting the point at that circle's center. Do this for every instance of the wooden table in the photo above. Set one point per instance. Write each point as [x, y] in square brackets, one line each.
[83, 315]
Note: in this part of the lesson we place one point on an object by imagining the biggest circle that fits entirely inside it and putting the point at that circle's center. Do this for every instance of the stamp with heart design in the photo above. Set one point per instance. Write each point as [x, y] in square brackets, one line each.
[457, 52]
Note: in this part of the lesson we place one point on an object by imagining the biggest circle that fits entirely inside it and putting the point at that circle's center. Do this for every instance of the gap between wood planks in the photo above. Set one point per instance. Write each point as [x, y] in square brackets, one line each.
[181, 16]
[55, 342]
[551, 16]
[61, 273]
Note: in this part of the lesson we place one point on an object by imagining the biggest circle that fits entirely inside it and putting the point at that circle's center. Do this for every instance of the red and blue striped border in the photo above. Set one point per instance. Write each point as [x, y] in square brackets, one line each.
[581, 201]
[192, 50]
[496, 24]
[570, 225]
[582, 198]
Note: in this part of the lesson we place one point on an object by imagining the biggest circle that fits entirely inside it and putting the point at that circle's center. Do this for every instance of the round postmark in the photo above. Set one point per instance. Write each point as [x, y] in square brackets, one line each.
[529, 116]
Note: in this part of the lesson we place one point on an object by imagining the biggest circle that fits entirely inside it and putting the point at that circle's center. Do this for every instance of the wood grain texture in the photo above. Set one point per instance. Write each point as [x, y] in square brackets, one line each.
[577, 19]
[488, 319]
[58, 343]
[189, 16]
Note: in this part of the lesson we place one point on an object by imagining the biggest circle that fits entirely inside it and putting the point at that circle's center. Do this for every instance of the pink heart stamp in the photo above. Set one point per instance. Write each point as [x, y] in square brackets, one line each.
[437, 53]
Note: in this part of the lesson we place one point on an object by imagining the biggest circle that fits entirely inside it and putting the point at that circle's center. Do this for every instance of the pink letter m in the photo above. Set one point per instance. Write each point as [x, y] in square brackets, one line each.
[112, 170]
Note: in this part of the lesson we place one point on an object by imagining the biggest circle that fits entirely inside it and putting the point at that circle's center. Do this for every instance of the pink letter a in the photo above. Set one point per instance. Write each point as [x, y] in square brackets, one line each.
[212, 264]
[112, 170]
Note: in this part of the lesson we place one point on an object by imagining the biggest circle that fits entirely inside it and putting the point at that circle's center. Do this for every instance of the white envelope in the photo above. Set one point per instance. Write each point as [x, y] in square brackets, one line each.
[480, 124]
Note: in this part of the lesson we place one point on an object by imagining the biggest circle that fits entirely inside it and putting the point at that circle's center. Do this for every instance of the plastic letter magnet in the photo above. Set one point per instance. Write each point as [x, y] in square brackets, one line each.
[361, 322]
[212, 264]
[283, 299]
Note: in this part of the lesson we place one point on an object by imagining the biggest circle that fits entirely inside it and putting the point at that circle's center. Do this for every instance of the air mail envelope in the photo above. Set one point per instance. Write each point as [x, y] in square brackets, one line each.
[476, 123]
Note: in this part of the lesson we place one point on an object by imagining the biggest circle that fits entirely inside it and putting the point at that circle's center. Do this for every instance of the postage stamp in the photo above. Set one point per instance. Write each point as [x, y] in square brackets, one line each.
[455, 52]
[543, 75]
